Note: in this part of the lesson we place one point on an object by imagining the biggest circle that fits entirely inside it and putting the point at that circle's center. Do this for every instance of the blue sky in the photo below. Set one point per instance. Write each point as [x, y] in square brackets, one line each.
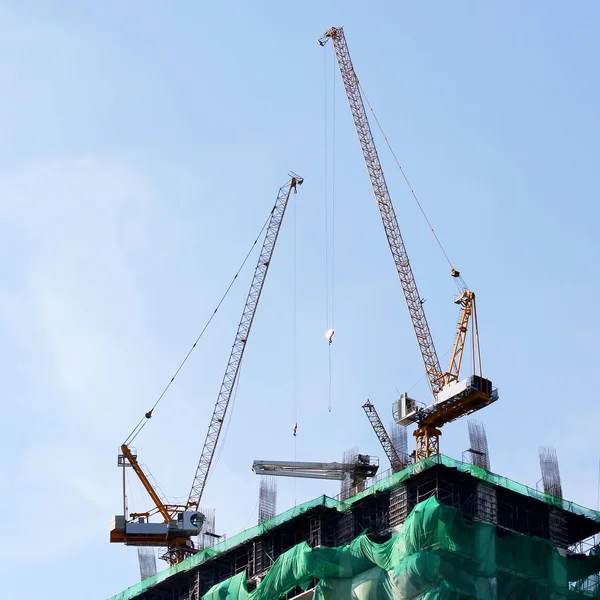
[141, 148]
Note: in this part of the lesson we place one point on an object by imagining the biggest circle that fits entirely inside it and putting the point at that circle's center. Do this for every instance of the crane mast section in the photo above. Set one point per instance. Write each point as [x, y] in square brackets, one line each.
[386, 210]
[382, 435]
[239, 345]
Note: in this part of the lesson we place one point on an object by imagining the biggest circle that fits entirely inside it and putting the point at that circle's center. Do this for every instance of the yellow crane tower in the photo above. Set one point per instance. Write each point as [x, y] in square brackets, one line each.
[452, 398]
[183, 521]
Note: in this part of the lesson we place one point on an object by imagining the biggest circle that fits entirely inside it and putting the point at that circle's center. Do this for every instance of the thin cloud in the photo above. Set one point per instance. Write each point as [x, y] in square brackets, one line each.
[82, 228]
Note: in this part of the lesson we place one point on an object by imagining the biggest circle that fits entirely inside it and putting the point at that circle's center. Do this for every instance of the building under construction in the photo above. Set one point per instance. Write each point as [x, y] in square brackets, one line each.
[438, 528]
[432, 528]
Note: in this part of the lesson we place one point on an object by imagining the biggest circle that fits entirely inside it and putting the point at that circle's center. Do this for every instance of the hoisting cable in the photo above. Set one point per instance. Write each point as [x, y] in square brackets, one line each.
[326, 186]
[294, 335]
[329, 394]
[330, 233]
[332, 229]
[333, 203]
[426, 374]
[226, 431]
[294, 324]
[148, 415]
[454, 272]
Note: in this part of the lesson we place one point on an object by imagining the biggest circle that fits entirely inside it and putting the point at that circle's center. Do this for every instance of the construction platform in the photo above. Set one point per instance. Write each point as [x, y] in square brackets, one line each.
[438, 527]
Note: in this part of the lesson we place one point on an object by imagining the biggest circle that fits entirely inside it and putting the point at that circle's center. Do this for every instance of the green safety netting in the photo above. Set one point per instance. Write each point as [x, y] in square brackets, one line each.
[323, 501]
[492, 478]
[436, 556]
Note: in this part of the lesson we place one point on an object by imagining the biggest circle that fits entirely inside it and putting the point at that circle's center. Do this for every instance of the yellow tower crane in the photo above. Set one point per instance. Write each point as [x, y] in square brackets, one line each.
[451, 398]
[183, 521]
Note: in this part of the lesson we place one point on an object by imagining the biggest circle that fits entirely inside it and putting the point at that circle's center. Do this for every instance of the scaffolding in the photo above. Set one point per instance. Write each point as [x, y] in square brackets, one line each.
[480, 454]
[346, 486]
[207, 536]
[267, 498]
[399, 437]
[147, 561]
[550, 471]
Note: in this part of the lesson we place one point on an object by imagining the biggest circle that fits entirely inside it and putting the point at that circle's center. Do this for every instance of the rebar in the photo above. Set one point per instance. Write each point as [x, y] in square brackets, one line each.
[267, 499]
[204, 539]
[398, 435]
[480, 455]
[550, 471]
[147, 560]
[346, 486]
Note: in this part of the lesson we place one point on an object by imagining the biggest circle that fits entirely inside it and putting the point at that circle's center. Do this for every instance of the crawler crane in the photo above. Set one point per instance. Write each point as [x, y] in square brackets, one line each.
[452, 398]
[183, 521]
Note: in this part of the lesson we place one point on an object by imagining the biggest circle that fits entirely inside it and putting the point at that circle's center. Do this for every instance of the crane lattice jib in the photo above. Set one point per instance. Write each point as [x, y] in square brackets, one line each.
[239, 345]
[388, 216]
[382, 434]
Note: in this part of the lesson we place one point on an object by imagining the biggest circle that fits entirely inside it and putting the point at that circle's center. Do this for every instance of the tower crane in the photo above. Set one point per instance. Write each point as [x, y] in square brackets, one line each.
[452, 398]
[183, 521]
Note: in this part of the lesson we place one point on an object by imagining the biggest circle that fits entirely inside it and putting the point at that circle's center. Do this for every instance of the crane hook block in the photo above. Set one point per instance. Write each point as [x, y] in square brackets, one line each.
[454, 272]
[148, 415]
[329, 335]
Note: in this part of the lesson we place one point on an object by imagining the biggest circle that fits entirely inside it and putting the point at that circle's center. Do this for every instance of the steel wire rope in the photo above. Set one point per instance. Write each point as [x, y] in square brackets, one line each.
[333, 200]
[251, 515]
[425, 375]
[142, 423]
[226, 431]
[326, 153]
[130, 497]
[158, 485]
[332, 283]
[295, 332]
[328, 303]
[412, 191]
[294, 319]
